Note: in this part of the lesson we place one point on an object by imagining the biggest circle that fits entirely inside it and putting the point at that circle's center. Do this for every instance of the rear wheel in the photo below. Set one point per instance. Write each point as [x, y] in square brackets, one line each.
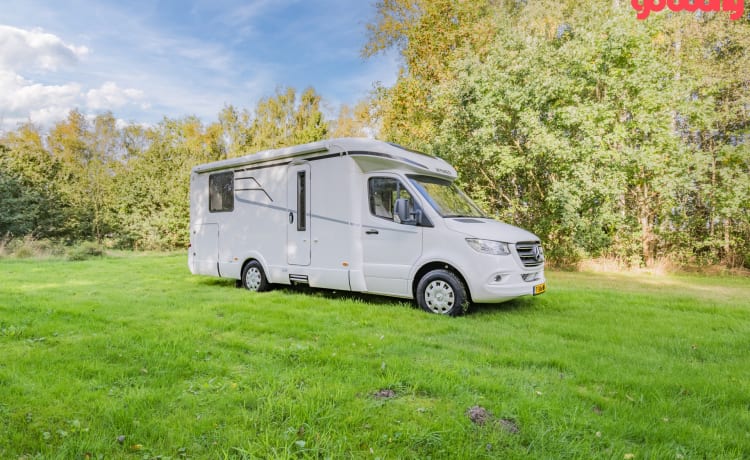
[253, 277]
[442, 292]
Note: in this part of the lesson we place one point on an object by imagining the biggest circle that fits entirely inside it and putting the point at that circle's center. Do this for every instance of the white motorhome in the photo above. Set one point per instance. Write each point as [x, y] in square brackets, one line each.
[356, 215]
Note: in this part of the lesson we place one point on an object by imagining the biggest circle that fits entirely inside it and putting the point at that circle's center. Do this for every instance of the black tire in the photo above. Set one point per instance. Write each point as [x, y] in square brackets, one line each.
[253, 277]
[442, 292]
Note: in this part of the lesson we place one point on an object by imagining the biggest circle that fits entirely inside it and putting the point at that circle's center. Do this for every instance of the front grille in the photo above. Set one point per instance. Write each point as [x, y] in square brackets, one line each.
[531, 253]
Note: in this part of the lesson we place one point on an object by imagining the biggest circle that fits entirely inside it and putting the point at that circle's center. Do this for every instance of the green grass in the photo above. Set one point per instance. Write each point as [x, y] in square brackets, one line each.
[602, 366]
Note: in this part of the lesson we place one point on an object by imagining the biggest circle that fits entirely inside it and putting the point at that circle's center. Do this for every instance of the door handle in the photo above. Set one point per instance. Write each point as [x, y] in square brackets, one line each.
[291, 217]
[372, 231]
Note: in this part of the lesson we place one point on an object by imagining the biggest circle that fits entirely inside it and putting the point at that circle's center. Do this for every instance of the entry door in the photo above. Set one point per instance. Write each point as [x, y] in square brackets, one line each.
[206, 249]
[298, 227]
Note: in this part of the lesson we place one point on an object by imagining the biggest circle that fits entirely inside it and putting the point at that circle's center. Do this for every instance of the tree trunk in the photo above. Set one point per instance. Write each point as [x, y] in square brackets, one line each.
[647, 229]
[729, 259]
[647, 238]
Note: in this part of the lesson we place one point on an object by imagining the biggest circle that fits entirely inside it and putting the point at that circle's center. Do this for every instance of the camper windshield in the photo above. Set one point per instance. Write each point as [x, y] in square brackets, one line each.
[447, 199]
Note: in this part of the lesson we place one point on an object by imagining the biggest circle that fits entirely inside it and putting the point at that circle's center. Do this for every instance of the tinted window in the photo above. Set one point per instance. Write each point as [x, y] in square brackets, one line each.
[301, 202]
[221, 192]
[382, 194]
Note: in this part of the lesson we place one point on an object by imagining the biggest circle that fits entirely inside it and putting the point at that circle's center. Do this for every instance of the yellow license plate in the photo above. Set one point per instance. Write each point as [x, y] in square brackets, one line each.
[540, 289]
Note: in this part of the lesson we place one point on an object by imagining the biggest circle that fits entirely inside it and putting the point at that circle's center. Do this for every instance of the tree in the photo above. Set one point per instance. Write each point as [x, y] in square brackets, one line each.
[605, 135]
[279, 121]
[30, 201]
[68, 146]
[714, 55]
[105, 147]
[429, 35]
[236, 130]
[153, 184]
[309, 124]
[352, 122]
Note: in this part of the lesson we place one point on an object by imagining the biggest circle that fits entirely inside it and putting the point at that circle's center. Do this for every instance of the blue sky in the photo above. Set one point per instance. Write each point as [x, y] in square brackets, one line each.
[148, 59]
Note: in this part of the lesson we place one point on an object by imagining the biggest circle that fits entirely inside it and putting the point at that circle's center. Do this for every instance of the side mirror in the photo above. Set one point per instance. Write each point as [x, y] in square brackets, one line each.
[401, 210]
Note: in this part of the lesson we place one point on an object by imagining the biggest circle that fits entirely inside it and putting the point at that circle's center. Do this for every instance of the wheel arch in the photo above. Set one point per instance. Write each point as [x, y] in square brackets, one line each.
[437, 265]
[257, 258]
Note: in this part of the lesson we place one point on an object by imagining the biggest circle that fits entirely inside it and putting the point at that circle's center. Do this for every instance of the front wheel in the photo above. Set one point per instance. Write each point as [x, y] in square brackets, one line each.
[442, 292]
[253, 278]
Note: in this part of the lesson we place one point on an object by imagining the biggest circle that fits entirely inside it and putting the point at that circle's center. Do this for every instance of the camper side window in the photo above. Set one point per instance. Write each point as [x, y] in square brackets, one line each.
[382, 194]
[221, 192]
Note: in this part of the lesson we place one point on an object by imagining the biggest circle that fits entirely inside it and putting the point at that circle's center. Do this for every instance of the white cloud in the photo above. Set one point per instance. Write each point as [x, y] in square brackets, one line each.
[47, 116]
[177, 59]
[20, 98]
[53, 91]
[122, 124]
[35, 49]
[110, 96]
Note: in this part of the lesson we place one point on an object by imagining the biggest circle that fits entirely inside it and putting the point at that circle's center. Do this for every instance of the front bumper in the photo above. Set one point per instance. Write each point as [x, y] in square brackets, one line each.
[510, 286]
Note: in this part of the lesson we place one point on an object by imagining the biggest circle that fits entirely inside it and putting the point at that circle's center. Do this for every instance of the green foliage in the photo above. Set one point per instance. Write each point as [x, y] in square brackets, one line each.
[90, 180]
[598, 367]
[351, 122]
[29, 247]
[557, 135]
[30, 199]
[606, 135]
[280, 121]
[20, 206]
[82, 179]
[153, 183]
[430, 35]
[85, 251]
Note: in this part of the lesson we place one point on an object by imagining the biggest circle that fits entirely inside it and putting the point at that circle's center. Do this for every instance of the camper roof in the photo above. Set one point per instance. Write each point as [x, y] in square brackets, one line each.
[355, 147]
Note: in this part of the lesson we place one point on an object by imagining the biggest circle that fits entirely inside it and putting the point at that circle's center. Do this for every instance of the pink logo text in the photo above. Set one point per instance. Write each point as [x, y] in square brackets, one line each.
[645, 7]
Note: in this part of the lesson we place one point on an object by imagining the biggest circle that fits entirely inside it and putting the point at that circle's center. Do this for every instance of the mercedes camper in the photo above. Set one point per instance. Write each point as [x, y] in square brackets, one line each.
[356, 215]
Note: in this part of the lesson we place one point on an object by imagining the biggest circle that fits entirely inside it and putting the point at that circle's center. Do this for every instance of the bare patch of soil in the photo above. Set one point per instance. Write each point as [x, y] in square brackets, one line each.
[384, 394]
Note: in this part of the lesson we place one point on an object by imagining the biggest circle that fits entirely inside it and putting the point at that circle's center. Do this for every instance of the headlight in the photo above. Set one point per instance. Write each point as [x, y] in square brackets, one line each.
[497, 248]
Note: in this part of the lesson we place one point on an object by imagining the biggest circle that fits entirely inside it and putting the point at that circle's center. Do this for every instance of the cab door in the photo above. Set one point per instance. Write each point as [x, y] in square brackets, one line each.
[298, 201]
[390, 247]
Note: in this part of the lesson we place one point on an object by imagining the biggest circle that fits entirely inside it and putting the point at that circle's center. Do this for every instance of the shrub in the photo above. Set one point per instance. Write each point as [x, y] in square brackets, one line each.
[85, 250]
[29, 247]
[4, 246]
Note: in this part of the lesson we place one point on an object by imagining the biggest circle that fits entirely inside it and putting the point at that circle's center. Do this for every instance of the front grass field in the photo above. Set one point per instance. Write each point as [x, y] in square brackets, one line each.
[133, 357]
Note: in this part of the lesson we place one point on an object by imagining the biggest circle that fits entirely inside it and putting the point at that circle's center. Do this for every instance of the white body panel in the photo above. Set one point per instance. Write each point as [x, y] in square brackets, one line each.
[341, 239]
